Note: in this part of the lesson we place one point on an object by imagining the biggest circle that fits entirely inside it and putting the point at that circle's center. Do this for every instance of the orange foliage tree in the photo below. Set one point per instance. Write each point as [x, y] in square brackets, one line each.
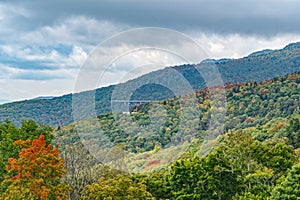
[36, 173]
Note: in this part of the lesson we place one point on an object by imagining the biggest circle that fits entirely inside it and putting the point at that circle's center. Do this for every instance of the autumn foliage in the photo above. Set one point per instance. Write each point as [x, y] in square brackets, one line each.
[36, 173]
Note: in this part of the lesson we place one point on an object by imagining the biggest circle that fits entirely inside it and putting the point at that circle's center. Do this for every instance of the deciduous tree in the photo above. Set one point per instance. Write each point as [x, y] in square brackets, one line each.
[120, 187]
[35, 173]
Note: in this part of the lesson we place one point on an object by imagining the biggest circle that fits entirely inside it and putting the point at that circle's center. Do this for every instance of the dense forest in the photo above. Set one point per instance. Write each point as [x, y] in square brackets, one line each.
[248, 104]
[258, 66]
[250, 150]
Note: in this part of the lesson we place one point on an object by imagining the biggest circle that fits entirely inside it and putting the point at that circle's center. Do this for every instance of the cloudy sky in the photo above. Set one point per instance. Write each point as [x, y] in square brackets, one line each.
[44, 43]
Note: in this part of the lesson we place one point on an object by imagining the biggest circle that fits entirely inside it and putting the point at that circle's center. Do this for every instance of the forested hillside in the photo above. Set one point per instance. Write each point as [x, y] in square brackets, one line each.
[257, 67]
[260, 162]
[255, 155]
[248, 104]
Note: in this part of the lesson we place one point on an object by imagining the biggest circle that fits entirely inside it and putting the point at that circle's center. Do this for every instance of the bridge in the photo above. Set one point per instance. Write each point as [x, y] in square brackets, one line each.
[132, 101]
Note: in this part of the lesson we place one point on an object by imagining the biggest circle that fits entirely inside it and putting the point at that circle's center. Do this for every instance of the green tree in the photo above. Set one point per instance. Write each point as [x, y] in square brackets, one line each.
[156, 183]
[257, 164]
[120, 187]
[276, 154]
[250, 196]
[293, 132]
[203, 178]
[289, 189]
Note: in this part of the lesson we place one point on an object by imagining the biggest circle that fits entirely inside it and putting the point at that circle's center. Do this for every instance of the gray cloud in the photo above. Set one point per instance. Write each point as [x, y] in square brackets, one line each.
[40, 40]
[266, 17]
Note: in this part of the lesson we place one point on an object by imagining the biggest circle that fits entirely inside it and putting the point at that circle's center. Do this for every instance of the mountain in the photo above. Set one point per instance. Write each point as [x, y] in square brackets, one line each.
[263, 52]
[57, 111]
[248, 104]
[3, 101]
[43, 97]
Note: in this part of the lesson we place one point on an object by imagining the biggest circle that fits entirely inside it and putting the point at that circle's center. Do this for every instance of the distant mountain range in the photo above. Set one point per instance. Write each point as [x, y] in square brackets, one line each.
[57, 111]
[3, 101]
[43, 97]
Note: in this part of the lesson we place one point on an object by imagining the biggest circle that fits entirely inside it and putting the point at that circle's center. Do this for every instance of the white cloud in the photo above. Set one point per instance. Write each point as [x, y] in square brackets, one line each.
[26, 89]
[236, 46]
[29, 54]
[78, 55]
[216, 47]
[75, 30]
[137, 63]
[6, 72]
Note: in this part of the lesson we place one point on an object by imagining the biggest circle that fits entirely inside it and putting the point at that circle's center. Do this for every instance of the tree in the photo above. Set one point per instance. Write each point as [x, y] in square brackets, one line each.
[261, 185]
[238, 147]
[156, 183]
[31, 130]
[203, 178]
[250, 196]
[293, 132]
[289, 189]
[10, 133]
[258, 164]
[276, 154]
[82, 170]
[119, 188]
[36, 173]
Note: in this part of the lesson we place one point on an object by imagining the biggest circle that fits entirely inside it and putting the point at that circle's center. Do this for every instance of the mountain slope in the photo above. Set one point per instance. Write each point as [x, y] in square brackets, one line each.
[258, 66]
[249, 104]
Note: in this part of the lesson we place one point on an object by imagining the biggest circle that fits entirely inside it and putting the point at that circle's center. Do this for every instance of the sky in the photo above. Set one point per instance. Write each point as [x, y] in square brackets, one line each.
[43, 44]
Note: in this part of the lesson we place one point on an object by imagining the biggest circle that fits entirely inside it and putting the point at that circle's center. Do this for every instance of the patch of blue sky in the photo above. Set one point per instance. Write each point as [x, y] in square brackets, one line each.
[62, 49]
[28, 65]
[36, 76]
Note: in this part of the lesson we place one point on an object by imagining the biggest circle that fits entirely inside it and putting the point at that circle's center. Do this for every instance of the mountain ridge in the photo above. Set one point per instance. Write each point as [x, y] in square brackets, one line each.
[58, 110]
